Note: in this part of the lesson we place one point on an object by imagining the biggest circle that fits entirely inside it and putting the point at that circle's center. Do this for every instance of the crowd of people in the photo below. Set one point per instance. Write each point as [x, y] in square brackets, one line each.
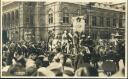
[68, 54]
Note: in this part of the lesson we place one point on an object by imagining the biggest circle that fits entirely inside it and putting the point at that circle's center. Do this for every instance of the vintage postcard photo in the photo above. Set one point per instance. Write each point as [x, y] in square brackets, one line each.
[64, 39]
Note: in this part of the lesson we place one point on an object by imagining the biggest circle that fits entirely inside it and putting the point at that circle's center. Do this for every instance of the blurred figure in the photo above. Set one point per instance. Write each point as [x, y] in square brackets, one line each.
[64, 41]
[76, 42]
[86, 70]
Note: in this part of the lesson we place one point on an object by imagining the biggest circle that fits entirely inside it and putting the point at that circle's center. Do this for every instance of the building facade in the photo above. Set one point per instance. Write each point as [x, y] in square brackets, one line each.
[32, 20]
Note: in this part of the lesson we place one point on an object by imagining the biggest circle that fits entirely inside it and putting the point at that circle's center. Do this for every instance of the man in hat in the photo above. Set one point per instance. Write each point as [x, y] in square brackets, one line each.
[83, 40]
[90, 42]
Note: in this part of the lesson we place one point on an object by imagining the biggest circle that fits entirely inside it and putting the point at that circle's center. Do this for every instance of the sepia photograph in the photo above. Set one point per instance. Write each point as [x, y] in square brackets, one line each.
[63, 39]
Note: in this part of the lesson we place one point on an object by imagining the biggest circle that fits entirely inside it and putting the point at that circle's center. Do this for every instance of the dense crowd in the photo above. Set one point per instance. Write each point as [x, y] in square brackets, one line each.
[64, 55]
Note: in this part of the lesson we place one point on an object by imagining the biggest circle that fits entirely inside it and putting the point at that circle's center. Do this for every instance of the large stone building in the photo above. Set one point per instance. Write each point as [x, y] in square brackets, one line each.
[33, 20]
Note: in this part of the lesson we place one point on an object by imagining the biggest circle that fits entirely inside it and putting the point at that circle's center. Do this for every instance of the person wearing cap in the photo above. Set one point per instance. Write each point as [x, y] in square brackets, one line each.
[90, 42]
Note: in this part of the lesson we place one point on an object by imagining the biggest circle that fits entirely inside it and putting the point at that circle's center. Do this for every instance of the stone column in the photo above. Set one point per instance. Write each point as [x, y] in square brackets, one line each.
[21, 21]
[37, 21]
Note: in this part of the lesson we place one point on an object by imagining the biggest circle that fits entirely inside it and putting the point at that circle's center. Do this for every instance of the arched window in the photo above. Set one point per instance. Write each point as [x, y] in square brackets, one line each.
[50, 17]
[65, 15]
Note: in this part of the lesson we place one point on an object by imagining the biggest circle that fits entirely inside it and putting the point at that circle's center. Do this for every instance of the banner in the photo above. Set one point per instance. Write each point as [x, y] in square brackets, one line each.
[78, 23]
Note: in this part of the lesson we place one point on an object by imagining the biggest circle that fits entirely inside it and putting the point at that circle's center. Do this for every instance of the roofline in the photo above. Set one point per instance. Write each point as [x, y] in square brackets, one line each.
[7, 3]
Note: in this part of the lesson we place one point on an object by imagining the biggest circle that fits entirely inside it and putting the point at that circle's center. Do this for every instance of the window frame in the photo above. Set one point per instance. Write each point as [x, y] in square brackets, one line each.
[94, 21]
[65, 15]
[108, 22]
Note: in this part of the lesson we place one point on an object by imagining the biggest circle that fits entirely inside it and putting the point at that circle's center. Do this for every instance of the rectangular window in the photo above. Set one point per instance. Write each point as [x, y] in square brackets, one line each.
[50, 18]
[114, 22]
[120, 22]
[94, 21]
[31, 20]
[108, 22]
[65, 19]
[27, 20]
[101, 21]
